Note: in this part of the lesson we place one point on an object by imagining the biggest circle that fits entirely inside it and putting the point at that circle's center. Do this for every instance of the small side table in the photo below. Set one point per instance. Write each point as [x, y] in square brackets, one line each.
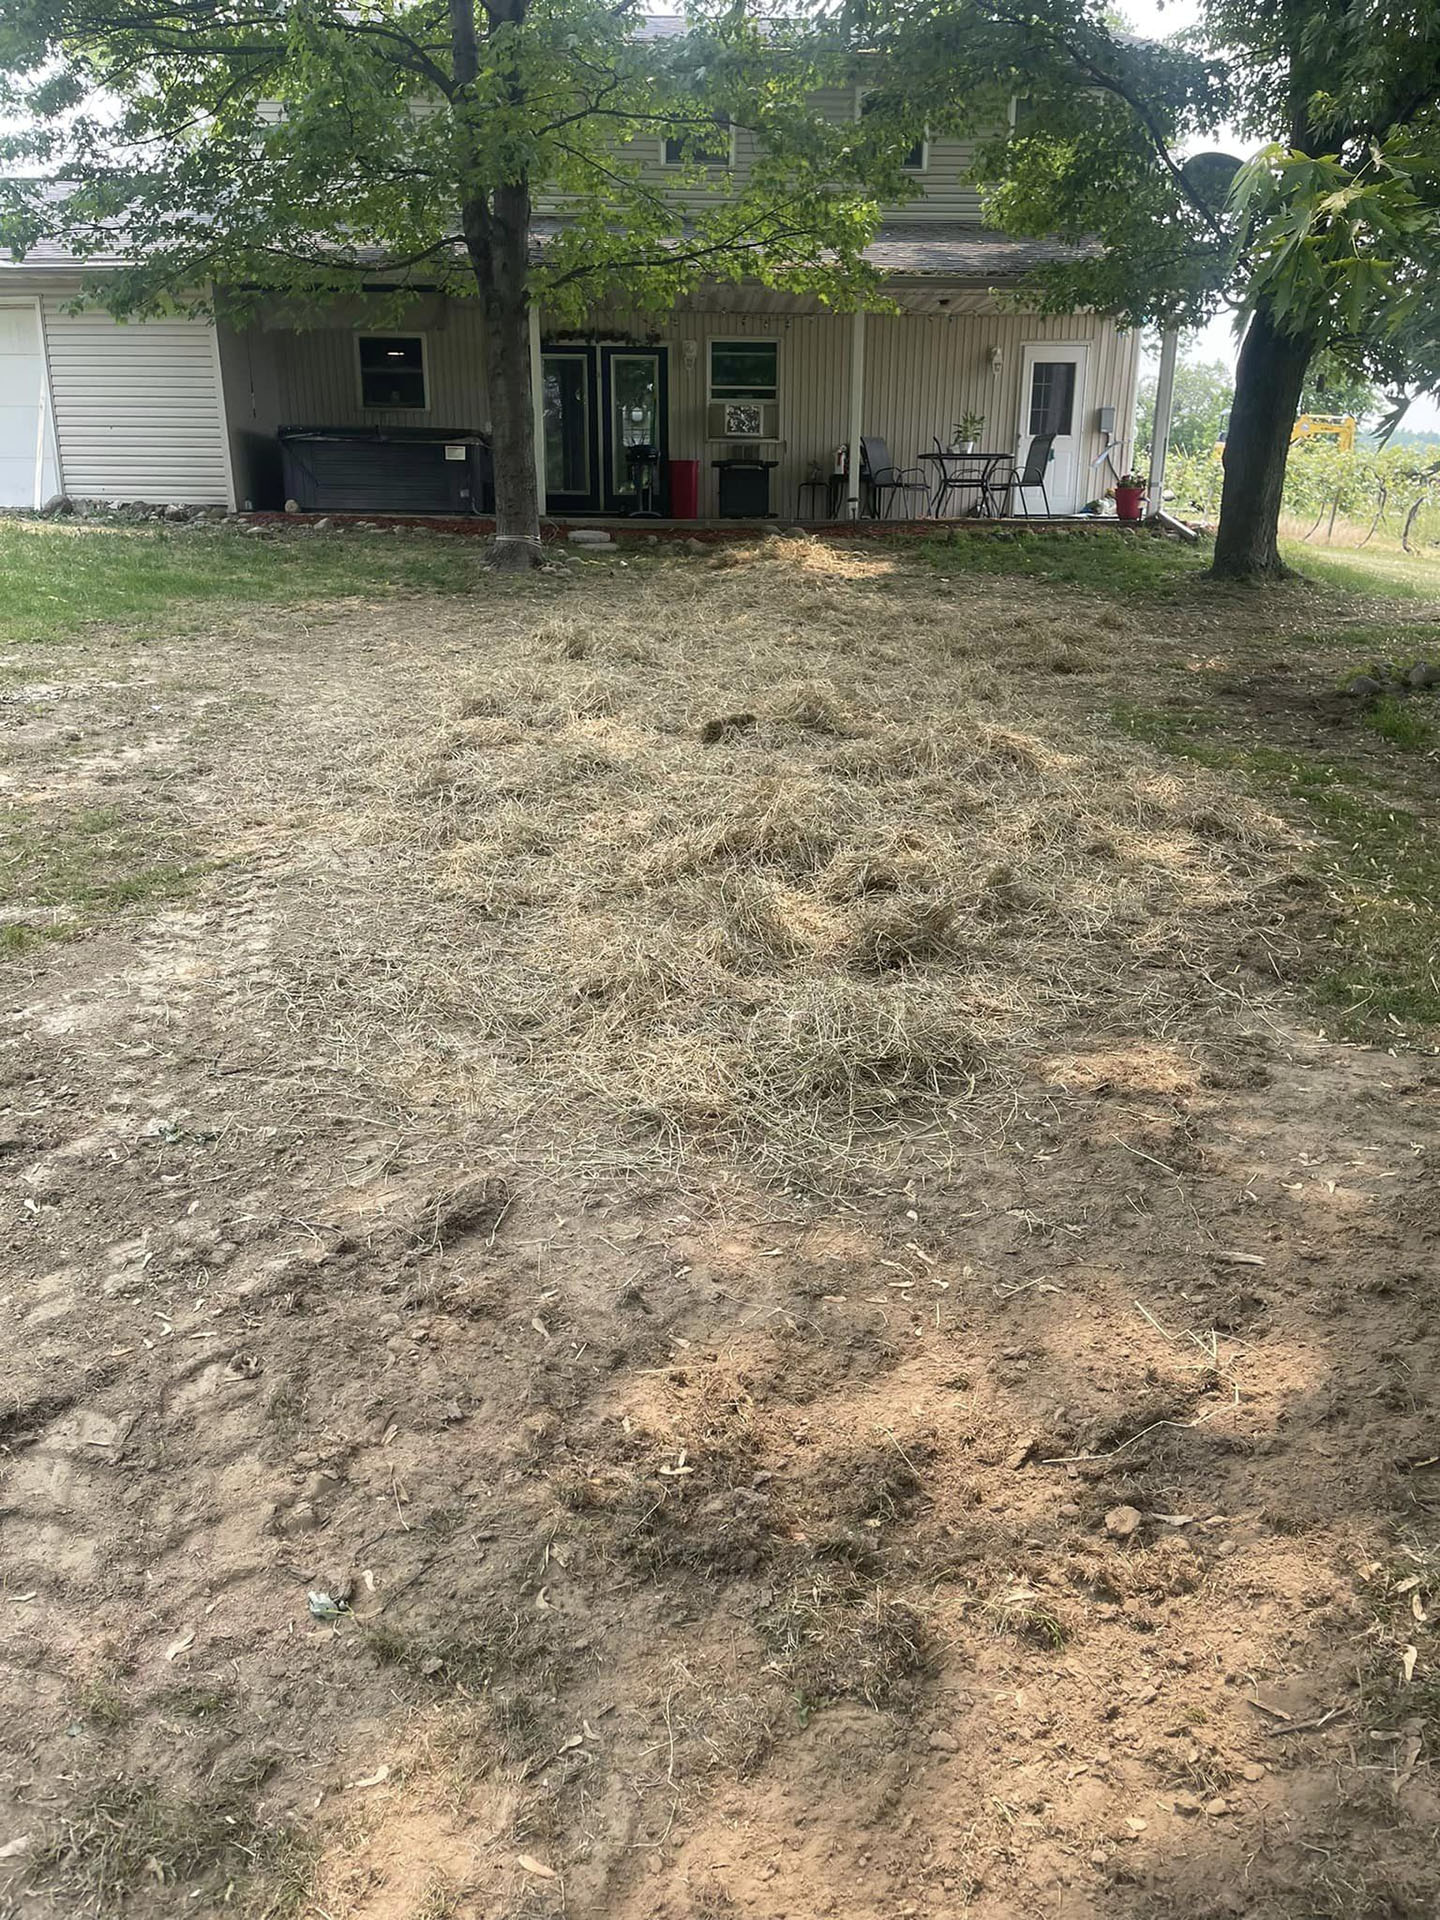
[831, 491]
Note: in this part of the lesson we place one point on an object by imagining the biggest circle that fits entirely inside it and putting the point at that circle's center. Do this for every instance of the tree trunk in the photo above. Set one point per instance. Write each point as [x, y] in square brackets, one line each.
[498, 240]
[1268, 380]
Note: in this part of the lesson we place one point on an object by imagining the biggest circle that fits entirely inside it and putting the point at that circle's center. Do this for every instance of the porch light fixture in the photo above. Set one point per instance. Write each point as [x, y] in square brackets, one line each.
[689, 354]
[997, 359]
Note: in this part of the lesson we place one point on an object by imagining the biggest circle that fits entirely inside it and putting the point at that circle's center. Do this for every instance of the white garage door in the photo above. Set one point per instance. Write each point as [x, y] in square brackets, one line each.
[22, 410]
[138, 408]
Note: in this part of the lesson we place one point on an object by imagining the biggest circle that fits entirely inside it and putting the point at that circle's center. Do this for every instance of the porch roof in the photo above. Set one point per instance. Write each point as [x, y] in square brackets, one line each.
[967, 255]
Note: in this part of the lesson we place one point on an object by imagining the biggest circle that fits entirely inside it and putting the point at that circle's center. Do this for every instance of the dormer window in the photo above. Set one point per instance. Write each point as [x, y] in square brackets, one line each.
[709, 146]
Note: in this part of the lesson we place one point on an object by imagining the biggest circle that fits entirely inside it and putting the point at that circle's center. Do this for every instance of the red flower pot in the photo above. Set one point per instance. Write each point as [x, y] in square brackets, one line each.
[1129, 502]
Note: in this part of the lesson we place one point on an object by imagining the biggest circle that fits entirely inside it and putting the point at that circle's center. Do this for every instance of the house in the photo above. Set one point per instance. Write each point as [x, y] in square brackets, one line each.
[758, 387]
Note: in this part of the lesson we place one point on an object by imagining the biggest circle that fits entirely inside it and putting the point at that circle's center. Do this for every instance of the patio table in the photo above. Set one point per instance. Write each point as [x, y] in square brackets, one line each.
[959, 471]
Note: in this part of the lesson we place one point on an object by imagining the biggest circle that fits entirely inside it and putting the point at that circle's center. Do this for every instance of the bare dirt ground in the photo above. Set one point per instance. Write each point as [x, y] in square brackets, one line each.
[712, 1268]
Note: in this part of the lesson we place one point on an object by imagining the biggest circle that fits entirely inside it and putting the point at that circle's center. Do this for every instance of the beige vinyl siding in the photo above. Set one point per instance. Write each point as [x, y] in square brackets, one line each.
[922, 371]
[138, 409]
[946, 191]
[318, 381]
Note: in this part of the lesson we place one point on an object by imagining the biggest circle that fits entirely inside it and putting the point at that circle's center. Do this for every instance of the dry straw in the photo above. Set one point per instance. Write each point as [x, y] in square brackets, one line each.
[798, 857]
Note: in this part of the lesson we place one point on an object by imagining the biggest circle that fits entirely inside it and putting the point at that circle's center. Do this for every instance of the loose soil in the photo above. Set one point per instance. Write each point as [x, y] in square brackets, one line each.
[615, 1315]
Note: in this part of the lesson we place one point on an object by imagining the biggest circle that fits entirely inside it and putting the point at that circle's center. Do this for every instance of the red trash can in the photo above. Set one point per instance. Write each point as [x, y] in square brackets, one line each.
[684, 489]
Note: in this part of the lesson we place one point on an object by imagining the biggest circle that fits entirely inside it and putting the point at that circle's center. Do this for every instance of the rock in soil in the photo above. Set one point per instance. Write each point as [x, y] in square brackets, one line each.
[1121, 1523]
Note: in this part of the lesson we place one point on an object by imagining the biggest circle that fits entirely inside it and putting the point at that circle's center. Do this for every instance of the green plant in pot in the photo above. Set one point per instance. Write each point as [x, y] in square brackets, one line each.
[967, 432]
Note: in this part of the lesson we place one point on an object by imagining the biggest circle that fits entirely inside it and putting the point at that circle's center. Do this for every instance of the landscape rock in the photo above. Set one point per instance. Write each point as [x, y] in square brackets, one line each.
[58, 506]
[1423, 674]
[942, 1742]
[1187, 1803]
[292, 506]
[1122, 1523]
[589, 537]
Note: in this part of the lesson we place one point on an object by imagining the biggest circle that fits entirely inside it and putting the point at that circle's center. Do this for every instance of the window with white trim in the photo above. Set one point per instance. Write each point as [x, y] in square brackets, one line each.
[392, 371]
[710, 146]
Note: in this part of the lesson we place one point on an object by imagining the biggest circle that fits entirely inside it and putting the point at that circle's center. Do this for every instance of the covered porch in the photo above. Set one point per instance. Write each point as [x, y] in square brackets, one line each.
[751, 400]
[743, 403]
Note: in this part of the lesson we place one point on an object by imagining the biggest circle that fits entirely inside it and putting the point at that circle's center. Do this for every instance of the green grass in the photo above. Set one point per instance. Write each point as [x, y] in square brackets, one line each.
[56, 578]
[63, 870]
[1401, 722]
[1104, 559]
[1388, 575]
[1380, 858]
[1127, 564]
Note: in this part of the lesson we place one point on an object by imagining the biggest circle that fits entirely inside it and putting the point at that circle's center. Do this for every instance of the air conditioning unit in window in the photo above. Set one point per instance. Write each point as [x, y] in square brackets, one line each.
[744, 420]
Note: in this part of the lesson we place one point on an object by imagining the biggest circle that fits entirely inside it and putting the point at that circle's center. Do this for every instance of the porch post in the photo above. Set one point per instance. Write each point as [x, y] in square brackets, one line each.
[537, 403]
[1164, 412]
[857, 412]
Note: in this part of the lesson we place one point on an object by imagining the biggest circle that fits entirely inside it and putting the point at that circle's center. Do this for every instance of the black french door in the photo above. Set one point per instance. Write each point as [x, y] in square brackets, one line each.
[598, 403]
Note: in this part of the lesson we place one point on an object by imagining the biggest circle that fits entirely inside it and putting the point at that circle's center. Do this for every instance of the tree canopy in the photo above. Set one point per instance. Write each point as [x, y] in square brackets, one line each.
[261, 143]
[1329, 238]
[239, 149]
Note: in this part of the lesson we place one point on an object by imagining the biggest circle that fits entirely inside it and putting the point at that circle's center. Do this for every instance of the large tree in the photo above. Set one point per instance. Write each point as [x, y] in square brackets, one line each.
[243, 149]
[1328, 240]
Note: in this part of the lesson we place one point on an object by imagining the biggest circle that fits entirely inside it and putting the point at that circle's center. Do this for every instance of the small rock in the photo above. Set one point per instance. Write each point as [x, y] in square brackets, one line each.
[692, 545]
[1216, 1807]
[1364, 686]
[58, 506]
[1069, 1509]
[1422, 674]
[1121, 1523]
[323, 526]
[175, 512]
[942, 1742]
[1252, 1771]
[589, 537]
[1187, 1803]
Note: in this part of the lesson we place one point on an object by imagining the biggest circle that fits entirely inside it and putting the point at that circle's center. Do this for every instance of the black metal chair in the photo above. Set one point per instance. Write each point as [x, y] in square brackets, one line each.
[885, 480]
[1030, 477]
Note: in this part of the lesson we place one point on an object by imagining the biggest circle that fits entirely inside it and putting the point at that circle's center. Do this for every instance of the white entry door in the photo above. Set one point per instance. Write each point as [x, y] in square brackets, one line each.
[26, 461]
[1052, 400]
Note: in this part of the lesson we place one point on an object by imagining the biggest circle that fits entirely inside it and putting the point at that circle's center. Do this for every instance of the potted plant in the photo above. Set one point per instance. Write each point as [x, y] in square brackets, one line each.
[1130, 496]
[966, 436]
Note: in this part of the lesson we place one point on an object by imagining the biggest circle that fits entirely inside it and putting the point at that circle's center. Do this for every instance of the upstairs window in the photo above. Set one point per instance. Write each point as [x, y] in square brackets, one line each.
[392, 371]
[708, 146]
[744, 369]
[917, 158]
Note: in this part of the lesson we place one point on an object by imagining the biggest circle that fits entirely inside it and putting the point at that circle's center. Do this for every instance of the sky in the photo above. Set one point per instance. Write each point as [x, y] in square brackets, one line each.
[1157, 19]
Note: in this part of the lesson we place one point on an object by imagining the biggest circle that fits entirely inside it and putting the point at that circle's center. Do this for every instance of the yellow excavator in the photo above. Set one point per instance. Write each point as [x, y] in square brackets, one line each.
[1339, 427]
